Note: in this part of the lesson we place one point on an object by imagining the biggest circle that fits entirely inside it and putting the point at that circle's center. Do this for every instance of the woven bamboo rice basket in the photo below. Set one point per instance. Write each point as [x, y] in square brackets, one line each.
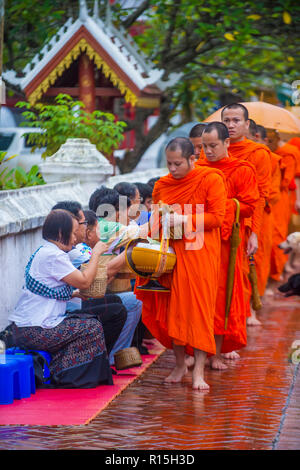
[128, 357]
[98, 287]
[121, 283]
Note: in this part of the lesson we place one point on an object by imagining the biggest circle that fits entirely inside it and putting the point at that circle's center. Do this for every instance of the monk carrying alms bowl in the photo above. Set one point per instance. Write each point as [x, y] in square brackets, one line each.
[150, 261]
[183, 318]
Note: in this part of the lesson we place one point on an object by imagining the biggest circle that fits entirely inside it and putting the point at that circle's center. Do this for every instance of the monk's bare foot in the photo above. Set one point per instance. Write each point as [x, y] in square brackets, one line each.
[267, 299]
[177, 374]
[269, 292]
[253, 321]
[216, 363]
[189, 361]
[231, 355]
[199, 384]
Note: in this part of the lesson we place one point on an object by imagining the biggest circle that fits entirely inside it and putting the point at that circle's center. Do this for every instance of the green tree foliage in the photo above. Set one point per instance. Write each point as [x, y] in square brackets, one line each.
[67, 119]
[216, 46]
[28, 24]
[18, 177]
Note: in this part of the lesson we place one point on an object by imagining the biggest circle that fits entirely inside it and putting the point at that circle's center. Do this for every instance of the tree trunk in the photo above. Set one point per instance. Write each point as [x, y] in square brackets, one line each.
[132, 157]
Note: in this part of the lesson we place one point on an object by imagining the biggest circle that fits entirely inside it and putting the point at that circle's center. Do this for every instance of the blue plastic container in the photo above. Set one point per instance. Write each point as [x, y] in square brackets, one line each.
[16, 378]
[45, 354]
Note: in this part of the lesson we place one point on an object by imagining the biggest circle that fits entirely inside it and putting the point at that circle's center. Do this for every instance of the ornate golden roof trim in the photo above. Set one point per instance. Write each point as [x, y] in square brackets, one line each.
[82, 46]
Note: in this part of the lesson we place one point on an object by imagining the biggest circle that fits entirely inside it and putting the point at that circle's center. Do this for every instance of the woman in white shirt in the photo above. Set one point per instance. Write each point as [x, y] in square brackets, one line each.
[76, 344]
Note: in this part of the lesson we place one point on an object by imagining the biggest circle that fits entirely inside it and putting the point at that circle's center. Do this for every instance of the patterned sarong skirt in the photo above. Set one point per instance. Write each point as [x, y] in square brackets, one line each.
[77, 347]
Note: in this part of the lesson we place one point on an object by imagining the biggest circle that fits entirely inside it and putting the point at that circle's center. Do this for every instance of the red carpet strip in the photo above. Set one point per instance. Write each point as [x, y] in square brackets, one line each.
[69, 407]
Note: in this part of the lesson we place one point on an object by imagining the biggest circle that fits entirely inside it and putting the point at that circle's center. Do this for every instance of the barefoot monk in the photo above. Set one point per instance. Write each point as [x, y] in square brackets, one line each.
[281, 210]
[184, 318]
[263, 254]
[241, 185]
[235, 117]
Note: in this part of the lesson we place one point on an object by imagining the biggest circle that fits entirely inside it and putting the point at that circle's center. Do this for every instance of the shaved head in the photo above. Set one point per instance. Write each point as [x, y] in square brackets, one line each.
[236, 106]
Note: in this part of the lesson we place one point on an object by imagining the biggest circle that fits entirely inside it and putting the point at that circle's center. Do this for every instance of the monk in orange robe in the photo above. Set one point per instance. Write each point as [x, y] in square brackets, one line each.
[195, 137]
[295, 141]
[281, 209]
[235, 117]
[258, 134]
[241, 185]
[293, 189]
[184, 318]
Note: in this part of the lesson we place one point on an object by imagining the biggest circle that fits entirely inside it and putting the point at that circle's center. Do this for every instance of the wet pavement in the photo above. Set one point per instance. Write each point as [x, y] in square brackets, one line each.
[254, 404]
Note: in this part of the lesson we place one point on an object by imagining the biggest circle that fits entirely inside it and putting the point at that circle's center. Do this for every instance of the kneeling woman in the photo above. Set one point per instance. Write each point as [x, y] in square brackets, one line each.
[77, 346]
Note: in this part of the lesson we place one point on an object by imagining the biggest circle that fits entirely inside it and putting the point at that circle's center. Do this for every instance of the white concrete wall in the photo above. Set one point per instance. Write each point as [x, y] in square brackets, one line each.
[15, 251]
[22, 214]
[137, 176]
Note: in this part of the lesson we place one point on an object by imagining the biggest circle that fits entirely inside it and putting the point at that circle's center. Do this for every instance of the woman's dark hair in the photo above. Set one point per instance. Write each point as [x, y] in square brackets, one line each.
[183, 144]
[152, 181]
[221, 129]
[104, 195]
[145, 191]
[71, 206]
[58, 226]
[126, 189]
[90, 217]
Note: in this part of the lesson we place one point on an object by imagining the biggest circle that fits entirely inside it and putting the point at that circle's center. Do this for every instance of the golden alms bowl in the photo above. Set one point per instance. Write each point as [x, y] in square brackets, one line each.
[150, 260]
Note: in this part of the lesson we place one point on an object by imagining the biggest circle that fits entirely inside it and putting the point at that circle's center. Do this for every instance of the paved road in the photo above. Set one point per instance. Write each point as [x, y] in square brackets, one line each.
[255, 404]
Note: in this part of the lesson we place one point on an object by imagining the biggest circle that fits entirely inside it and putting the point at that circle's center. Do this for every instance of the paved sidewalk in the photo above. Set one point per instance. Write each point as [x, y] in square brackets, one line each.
[255, 404]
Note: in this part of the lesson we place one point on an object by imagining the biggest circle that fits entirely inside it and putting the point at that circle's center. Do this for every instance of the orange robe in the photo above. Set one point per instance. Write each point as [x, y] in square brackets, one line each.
[295, 142]
[186, 314]
[293, 147]
[241, 184]
[281, 210]
[263, 254]
[274, 195]
[258, 155]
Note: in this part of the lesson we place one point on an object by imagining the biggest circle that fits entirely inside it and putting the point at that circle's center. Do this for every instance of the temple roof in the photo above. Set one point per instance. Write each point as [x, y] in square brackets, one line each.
[112, 49]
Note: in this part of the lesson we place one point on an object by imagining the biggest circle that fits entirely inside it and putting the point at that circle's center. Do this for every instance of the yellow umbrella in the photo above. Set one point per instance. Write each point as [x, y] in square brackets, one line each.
[267, 115]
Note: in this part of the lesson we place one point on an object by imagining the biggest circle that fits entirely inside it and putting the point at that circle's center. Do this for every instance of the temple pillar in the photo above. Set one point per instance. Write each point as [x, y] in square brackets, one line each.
[87, 91]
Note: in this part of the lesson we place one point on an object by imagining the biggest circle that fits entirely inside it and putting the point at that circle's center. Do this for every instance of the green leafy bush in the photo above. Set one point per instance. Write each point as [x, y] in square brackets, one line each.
[67, 119]
[17, 177]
